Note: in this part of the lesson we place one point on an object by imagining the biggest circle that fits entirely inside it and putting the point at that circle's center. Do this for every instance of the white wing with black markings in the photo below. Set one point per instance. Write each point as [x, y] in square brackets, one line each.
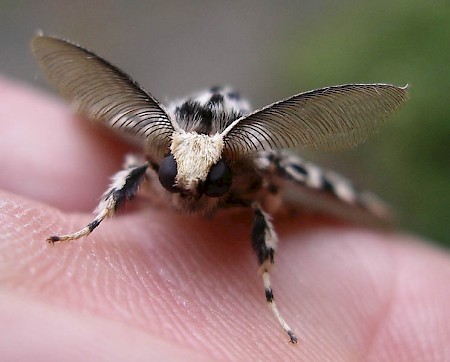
[306, 185]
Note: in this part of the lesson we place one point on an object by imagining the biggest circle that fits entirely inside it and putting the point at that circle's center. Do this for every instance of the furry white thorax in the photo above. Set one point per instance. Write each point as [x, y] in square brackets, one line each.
[195, 154]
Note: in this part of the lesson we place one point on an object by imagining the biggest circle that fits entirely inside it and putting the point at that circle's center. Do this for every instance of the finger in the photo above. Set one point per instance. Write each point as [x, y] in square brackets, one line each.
[194, 281]
[56, 334]
[50, 155]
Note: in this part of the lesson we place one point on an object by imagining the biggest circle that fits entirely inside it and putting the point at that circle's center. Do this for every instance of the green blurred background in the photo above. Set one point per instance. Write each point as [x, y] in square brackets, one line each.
[270, 50]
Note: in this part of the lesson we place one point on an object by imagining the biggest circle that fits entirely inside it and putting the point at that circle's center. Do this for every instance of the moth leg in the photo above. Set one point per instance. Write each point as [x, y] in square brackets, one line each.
[264, 241]
[123, 187]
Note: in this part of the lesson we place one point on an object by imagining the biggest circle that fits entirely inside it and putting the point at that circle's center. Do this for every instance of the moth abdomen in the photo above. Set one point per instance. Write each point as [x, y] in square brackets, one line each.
[309, 176]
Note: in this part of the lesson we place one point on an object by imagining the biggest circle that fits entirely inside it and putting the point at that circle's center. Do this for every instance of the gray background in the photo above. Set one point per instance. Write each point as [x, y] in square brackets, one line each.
[171, 47]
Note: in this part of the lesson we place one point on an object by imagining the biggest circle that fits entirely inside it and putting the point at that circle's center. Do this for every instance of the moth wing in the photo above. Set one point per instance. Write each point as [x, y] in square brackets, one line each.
[310, 201]
[102, 92]
[308, 187]
[330, 119]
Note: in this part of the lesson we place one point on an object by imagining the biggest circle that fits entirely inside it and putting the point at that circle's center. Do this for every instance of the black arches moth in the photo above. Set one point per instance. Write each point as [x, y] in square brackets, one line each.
[210, 151]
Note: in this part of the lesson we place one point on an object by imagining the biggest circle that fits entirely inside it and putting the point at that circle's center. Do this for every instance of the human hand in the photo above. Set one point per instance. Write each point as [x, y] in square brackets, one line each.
[150, 284]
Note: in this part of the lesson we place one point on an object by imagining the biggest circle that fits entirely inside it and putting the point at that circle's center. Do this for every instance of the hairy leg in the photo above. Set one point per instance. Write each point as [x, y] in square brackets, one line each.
[264, 241]
[124, 186]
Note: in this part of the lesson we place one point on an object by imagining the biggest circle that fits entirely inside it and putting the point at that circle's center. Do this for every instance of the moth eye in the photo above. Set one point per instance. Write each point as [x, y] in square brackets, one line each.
[167, 173]
[218, 181]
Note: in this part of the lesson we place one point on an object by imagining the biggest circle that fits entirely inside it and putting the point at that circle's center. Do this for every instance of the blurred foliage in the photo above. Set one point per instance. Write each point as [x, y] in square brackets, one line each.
[395, 42]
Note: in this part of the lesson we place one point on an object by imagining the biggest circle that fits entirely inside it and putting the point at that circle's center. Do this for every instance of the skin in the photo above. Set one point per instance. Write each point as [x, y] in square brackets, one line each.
[150, 284]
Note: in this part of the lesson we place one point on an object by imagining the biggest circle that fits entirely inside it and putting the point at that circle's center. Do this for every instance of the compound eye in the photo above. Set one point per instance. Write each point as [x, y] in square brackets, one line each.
[167, 173]
[219, 180]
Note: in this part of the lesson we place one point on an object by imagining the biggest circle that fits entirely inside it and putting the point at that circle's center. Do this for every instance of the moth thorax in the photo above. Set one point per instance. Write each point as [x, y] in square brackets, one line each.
[194, 154]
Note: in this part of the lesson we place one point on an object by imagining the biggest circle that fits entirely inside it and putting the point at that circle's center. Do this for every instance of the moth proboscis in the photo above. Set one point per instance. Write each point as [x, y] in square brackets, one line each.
[210, 151]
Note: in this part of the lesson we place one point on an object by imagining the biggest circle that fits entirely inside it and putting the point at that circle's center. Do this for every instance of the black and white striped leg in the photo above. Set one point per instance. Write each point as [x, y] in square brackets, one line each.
[264, 241]
[123, 187]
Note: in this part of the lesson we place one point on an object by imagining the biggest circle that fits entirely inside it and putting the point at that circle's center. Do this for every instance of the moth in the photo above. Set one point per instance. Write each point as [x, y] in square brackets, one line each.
[210, 151]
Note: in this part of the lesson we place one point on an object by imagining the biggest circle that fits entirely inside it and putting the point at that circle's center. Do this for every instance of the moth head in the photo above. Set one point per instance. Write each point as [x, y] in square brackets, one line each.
[195, 166]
